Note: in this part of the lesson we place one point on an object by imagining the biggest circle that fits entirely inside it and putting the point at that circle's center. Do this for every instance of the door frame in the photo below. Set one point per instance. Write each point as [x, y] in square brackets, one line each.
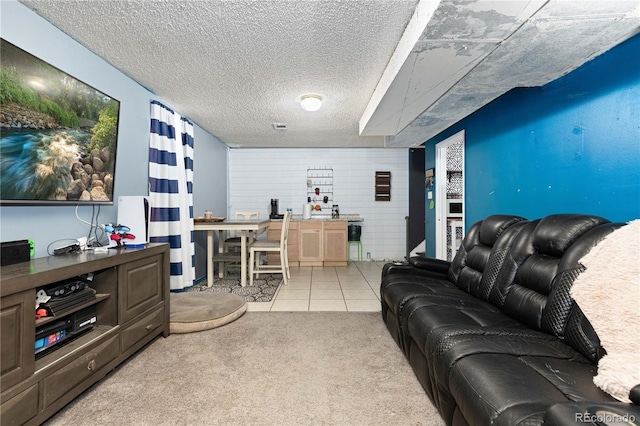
[441, 191]
[415, 239]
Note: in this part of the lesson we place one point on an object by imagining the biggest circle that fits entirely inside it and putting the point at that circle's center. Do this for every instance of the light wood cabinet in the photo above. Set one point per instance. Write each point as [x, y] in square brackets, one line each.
[313, 243]
[335, 243]
[273, 233]
[131, 309]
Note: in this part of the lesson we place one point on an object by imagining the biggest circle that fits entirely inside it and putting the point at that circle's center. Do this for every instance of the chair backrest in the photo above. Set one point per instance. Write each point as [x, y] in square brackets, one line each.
[247, 215]
[284, 233]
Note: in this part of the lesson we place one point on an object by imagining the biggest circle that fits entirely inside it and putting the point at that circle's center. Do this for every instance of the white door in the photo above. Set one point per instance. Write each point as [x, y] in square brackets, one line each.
[449, 180]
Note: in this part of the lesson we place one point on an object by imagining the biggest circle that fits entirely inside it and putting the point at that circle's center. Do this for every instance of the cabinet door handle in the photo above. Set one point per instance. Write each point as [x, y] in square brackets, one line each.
[92, 365]
[149, 327]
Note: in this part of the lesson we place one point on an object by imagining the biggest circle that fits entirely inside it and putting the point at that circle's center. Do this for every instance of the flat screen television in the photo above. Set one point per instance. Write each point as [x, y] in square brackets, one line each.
[58, 136]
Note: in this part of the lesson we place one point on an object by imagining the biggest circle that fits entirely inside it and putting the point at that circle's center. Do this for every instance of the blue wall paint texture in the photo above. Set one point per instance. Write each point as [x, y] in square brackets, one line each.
[571, 146]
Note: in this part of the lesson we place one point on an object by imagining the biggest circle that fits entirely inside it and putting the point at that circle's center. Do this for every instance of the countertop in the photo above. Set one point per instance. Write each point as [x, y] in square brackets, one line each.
[326, 218]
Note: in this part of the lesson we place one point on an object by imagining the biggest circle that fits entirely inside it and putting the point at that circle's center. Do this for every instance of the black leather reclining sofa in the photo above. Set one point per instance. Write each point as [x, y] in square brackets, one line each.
[494, 336]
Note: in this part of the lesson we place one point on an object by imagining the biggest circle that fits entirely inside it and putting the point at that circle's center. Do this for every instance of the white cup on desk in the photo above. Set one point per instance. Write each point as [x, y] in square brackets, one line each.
[207, 214]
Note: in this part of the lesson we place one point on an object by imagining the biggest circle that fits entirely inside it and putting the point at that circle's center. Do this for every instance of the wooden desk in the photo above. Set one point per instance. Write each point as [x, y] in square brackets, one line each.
[242, 226]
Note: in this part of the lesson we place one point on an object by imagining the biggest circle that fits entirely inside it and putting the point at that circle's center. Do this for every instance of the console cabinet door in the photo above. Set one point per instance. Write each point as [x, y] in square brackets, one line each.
[139, 287]
[20, 408]
[17, 322]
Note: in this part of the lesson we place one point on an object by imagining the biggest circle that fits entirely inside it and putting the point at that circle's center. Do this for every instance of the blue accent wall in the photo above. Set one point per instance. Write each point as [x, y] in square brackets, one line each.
[571, 146]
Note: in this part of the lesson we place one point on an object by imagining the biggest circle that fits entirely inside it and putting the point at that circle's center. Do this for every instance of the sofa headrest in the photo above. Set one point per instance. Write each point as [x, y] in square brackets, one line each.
[493, 226]
[555, 233]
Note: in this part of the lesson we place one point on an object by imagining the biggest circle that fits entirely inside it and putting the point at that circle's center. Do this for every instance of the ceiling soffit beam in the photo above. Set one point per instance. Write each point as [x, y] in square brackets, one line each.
[421, 16]
[447, 51]
[556, 41]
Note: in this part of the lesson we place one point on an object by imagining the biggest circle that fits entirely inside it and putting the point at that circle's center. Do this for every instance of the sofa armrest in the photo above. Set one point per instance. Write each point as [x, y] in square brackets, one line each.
[424, 267]
[430, 264]
[634, 394]
[592, 413]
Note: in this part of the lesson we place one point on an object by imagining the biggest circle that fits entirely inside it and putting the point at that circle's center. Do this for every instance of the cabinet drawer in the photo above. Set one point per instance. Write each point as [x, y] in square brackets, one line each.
[142, 328]
[275, 229]
[69, 376]
[314, 224]
[140, 287]
[21, 407]
[336, 224]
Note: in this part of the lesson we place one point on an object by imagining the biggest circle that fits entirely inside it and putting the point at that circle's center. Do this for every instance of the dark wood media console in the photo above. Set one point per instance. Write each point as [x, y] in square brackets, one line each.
[132, 308]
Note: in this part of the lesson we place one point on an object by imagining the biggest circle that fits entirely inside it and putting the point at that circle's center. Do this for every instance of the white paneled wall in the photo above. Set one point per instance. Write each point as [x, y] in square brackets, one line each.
[258, 175]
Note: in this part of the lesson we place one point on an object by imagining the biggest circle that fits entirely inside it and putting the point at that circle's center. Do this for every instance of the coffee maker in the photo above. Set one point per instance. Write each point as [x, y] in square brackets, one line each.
[274, 210]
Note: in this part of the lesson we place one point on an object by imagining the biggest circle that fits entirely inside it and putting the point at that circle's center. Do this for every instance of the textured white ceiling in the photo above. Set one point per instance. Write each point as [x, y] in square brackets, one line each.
[237, 66]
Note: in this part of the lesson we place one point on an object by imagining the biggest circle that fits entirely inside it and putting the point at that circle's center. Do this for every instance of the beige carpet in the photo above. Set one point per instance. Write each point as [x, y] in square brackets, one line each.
[265, 368]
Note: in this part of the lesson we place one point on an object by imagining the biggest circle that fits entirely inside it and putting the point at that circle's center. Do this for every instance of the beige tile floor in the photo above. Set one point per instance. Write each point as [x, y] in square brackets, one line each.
[352, 288]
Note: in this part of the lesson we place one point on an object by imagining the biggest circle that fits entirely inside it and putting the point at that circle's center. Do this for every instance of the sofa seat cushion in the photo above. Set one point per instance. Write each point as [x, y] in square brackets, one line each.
[453, 344]
[396, 290]
[425, 315]
[507, 389]
[448, 345]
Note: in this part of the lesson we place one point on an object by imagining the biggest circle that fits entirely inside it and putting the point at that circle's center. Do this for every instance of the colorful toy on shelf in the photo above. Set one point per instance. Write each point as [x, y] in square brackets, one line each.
[41, 297]
[118, 233]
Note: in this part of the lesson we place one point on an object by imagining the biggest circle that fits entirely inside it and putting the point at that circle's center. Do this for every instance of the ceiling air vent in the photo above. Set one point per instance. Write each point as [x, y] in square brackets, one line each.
[280, 126]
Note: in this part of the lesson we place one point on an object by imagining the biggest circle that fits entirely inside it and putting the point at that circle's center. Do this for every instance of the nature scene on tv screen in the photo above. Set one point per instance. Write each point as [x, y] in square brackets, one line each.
[57, 136]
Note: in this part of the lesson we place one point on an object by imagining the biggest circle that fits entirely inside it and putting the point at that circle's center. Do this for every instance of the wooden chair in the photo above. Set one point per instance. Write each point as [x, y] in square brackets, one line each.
[233, 241]
[259, 246]
[231, 250]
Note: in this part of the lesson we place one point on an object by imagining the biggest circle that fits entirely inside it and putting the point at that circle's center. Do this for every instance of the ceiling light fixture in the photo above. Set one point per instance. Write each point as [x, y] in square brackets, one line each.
[311, 102]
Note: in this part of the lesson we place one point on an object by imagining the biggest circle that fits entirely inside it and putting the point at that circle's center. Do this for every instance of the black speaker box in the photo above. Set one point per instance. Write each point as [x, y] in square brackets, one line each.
[14, 252]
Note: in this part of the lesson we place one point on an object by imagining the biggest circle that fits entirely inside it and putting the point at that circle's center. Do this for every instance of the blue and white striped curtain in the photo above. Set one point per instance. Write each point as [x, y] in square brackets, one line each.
[171, 190]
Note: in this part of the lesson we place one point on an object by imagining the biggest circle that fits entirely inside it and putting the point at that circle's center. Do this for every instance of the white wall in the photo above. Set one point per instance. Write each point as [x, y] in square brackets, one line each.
[209, 187]
[257, 175]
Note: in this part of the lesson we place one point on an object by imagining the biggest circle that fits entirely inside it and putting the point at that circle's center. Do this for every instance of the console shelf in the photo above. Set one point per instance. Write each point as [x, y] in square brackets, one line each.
[131, 309]
[99, 298]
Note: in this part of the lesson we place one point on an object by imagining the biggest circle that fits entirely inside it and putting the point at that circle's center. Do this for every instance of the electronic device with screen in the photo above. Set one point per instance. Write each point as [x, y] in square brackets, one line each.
[54, 334]
[60, 144]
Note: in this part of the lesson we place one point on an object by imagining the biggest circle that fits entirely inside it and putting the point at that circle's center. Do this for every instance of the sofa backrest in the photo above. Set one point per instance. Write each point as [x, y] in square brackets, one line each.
[521, 249]
[561, 316]
[496, 260]
[530, 269]
[467, 268]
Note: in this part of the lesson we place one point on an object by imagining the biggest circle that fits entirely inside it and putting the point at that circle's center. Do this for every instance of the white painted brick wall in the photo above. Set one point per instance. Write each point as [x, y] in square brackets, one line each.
[257, 175]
